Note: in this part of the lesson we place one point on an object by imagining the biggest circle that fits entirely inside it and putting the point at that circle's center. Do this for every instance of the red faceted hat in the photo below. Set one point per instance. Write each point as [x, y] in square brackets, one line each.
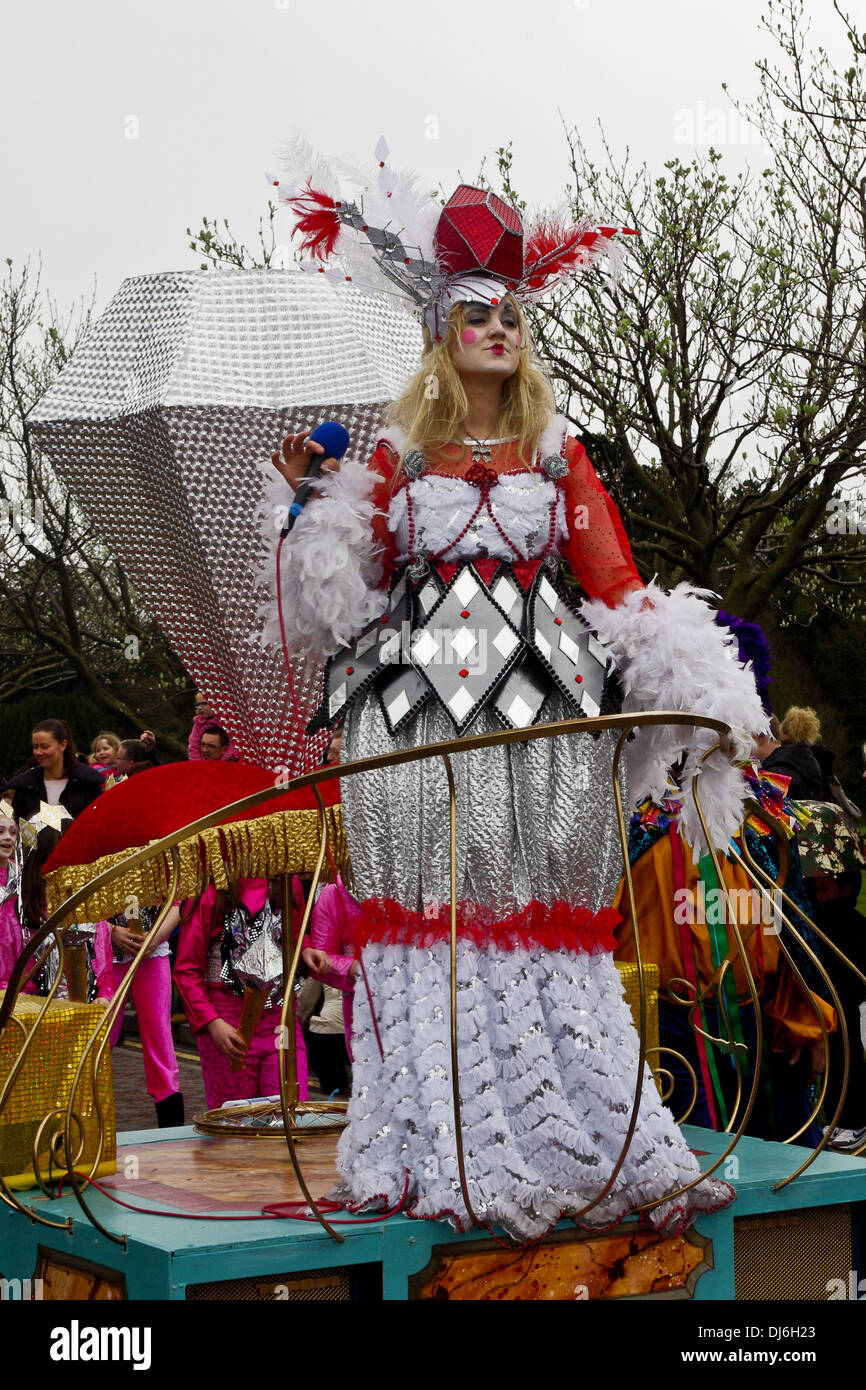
[479, 232]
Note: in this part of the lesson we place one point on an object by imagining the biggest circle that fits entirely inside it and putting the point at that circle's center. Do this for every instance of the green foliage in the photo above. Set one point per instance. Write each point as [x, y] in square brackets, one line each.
[725, 368]
[219, 247]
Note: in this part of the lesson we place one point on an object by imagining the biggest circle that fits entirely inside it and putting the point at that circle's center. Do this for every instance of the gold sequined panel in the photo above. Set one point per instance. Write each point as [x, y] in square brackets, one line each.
[628, 971]
[44, 1084]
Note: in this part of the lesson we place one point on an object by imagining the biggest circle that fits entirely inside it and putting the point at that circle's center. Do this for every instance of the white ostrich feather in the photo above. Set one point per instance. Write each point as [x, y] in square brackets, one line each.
[330, 563]
[302, 164]
[673, 656]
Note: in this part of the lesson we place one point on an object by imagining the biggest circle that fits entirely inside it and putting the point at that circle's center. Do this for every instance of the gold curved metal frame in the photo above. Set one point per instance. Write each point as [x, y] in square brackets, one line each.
[292, 946]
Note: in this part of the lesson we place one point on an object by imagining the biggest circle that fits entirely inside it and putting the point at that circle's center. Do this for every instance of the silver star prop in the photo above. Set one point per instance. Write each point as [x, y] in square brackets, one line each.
[261, 964]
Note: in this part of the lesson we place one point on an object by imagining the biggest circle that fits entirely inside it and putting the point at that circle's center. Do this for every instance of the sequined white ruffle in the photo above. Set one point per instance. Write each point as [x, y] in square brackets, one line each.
[548, 1062]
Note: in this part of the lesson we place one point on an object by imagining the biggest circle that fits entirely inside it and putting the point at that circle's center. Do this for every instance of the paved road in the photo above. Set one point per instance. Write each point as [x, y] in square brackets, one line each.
[134, 1107]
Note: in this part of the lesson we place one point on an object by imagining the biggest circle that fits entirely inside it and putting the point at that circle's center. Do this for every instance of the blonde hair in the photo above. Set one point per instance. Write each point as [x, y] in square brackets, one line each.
[108, 738]
[801, 725]
[433, 406]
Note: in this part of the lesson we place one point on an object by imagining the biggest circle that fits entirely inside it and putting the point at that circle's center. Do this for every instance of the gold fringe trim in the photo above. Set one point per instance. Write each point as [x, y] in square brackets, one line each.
[284, 842]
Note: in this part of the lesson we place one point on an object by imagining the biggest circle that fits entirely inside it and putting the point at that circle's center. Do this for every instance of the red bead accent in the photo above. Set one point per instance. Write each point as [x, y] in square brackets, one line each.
[558, 622]
[350, 670]
[484, 479]
[494, 301]
[365, 229]
[464, 674]
[384, 618]
[579, 680]
[465, 613]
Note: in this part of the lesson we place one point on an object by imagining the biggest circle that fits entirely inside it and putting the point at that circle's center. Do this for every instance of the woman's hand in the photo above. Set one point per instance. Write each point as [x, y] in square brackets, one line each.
[227, 1039]
[127, 940]
[293, 459]
[319, 962]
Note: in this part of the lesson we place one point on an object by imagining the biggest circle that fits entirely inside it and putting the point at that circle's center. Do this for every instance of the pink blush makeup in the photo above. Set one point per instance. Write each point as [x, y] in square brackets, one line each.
[468, 336]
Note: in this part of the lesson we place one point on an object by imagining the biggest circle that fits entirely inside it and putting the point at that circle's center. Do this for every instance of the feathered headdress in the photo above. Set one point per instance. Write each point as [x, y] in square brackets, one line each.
[389, 236]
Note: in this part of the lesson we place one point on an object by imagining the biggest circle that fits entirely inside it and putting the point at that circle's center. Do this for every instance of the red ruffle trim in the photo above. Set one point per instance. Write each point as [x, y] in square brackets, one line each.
[560, 927]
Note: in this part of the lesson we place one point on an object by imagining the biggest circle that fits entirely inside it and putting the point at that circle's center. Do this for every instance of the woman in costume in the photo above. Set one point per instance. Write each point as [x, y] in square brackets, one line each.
[151, 998]
[448, 544]
[330, 956]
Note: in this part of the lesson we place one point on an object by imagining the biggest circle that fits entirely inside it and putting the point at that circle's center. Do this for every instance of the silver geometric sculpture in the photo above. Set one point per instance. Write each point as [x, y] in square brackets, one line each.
[162, 420]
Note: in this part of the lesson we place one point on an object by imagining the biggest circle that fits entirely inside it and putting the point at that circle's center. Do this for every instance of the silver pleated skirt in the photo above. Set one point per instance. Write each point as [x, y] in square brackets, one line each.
[535, 820]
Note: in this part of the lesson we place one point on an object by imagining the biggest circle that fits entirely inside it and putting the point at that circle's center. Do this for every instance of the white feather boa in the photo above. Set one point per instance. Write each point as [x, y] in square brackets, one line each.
[672, 656]
[330, 565]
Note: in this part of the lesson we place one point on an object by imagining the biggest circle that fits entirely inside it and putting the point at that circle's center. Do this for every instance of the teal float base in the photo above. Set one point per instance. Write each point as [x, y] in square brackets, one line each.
[800, 1242]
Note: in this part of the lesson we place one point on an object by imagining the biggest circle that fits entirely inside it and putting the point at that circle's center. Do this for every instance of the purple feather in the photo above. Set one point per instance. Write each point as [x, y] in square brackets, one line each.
[752, 646]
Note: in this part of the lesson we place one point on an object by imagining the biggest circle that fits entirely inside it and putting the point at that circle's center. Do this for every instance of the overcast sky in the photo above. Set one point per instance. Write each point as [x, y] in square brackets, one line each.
[124, 123]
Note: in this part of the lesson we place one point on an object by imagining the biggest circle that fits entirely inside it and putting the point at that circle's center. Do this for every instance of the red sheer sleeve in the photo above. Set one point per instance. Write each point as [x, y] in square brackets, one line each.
[384, 464]
[598, 551]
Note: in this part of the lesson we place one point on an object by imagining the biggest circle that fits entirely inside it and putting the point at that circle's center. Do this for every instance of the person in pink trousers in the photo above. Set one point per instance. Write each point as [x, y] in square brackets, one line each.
[213, 996]
[151, 996]
[331, 956]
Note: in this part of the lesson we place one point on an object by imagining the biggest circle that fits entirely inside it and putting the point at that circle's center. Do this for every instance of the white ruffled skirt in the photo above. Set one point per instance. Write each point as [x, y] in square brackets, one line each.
[548, 1064]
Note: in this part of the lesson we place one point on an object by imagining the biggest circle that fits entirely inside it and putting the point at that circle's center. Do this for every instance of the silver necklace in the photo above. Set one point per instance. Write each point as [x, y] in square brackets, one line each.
[482, 448]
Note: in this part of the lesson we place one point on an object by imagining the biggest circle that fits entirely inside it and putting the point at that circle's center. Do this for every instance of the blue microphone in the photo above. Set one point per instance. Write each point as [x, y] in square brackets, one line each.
[335, 441]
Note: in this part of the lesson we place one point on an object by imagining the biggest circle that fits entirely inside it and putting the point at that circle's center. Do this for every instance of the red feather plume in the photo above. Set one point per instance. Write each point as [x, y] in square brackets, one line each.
[553, 250]
[318, 221]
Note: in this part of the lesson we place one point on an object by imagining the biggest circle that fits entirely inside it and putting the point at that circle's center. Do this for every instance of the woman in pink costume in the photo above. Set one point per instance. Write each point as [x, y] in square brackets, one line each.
[331, 957]
[213, 995]
[11, 940]
[151, 996]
